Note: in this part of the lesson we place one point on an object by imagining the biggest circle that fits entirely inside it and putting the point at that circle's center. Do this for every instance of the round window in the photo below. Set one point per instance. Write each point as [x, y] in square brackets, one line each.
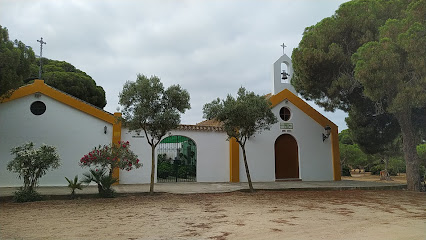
[38, 108]
[285, 113]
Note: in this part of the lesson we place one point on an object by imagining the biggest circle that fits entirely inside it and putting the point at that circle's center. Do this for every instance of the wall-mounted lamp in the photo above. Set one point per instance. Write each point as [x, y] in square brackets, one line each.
[327, 130]
[105, 129]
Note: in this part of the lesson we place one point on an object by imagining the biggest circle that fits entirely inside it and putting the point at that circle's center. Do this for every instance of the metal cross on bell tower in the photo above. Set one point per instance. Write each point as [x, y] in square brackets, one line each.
[283, 46]
[41, 56]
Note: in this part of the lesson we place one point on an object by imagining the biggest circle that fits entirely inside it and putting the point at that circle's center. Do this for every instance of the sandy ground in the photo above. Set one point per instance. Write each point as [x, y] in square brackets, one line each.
[401, 178]
[351, 214]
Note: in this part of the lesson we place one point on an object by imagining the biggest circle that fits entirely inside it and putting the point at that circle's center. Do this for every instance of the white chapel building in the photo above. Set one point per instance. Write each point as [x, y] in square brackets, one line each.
[302, 145]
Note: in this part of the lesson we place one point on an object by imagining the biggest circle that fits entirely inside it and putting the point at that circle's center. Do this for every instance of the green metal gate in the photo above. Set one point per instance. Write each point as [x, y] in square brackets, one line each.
[176, 159]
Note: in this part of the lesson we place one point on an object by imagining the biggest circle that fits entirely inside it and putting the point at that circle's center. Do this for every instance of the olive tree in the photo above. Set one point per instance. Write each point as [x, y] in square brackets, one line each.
[242, 118]
[150, 108]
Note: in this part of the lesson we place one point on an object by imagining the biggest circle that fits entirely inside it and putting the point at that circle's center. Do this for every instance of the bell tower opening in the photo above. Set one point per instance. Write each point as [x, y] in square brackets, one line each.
[282, 74]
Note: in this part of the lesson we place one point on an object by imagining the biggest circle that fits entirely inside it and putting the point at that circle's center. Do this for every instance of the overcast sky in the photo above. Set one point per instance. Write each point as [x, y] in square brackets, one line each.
[210, 48]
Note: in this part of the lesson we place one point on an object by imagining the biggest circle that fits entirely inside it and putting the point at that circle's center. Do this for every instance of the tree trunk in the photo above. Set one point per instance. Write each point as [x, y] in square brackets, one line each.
[151, 186]
[247, 168]
[387, 175]
[386, 162]
[409, 147]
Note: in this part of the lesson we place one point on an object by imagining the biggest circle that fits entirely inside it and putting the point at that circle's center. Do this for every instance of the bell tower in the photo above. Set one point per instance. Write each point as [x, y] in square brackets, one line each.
[282, 74]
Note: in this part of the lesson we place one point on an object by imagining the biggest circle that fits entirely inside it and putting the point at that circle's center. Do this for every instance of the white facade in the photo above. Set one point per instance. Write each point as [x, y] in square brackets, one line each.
[73, 132]
[212, 156]
[314, 155]
[75, 127]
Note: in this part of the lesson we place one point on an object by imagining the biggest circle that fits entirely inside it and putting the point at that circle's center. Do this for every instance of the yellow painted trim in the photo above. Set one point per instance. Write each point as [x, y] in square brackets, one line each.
[302, 105]
[234, 160]
[320, 119]
[337, 175]
[116, 137]
[41, 87]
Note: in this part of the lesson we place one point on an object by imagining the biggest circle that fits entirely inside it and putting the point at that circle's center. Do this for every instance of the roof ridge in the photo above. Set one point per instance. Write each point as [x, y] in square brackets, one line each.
[200, 128]
[78, 99]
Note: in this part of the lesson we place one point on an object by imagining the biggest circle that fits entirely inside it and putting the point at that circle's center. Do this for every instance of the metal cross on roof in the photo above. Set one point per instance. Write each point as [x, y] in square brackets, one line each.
[41, 55]
[283, 46]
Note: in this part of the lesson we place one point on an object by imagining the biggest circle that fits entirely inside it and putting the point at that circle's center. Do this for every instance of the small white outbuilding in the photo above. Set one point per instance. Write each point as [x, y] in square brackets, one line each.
[303, 145]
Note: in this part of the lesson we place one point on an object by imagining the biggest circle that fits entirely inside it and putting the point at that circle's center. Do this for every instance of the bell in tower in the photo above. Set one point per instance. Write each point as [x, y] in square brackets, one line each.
[281, 76]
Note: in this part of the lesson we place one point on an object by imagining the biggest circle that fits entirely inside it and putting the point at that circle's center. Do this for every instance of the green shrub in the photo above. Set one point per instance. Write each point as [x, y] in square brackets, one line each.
[103, 180]
[31, 164]
[346, 171]
[26, 195]
[375, 170]
[165, 169]
[186, 171]
[183, 172]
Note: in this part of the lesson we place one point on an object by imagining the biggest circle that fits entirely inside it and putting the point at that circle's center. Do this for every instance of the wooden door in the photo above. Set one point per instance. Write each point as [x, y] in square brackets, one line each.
[286, 157]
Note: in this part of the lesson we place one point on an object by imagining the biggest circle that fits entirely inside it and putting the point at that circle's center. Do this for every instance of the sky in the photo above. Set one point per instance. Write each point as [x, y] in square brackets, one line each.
[210, 48]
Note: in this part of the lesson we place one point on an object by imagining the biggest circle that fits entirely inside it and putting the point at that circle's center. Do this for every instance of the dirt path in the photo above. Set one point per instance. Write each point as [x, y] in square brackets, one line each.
[401, 178]
[262, 215]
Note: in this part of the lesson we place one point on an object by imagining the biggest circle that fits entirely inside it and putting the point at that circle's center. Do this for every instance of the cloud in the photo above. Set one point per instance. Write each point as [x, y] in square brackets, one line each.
[210, 48]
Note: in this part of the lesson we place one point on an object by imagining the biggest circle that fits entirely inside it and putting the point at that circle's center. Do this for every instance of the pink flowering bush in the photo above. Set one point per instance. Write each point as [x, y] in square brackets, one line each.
[111, 156]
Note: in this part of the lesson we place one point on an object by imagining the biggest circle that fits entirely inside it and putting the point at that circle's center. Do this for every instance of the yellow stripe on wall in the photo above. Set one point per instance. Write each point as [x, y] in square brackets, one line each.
[234, 160]
[116, 137]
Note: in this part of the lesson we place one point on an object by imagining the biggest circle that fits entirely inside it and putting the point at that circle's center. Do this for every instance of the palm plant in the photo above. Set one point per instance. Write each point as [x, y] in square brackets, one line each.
[74, 184]
[103, 179]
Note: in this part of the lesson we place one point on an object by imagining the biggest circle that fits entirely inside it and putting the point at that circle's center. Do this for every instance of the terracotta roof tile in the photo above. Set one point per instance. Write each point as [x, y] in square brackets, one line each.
[200, 128]
[211, 123]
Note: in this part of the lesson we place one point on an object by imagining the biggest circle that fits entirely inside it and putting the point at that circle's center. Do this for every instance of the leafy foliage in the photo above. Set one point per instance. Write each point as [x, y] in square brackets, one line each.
[19, 65]
[352, 156]
[73, 185]
[15, 61]
[346, 171]
[104, 179]
[26, 195]
[396, 165]
[392, 70]
[421, 151]
[369, 59]
[165, 169]
[65, 77]
[345, 137]
[242, 117]
[112, 156]
[149, 107]
[371, 131]
[31, 164]
[323, 70]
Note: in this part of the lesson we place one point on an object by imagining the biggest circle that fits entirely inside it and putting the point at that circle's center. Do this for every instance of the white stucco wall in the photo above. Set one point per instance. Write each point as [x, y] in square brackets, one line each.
[72, 132]
[212, 156]
[315, 156]
[75, 133]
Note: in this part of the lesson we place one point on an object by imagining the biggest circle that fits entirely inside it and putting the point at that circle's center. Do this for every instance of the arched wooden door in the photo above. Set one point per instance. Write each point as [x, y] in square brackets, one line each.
[286, 157]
